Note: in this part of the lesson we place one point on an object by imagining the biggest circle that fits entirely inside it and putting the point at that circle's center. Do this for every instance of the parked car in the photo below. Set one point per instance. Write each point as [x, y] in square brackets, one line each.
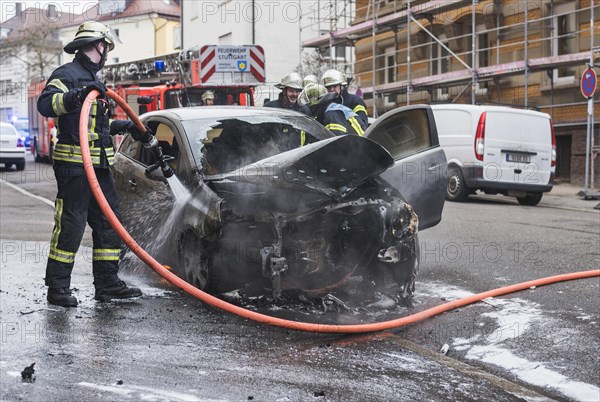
[12, 152]
[498, 150]
[277, 199]
[22, 126]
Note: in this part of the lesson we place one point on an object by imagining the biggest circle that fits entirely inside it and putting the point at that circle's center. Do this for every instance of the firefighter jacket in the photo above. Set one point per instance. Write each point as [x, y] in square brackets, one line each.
[61, 99]
[340, 120]
[279, 103]
[356, 104]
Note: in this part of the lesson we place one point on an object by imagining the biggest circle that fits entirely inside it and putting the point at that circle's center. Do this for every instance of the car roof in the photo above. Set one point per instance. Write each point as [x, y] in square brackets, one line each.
[216, 112]
[3, 124]
[488, 108]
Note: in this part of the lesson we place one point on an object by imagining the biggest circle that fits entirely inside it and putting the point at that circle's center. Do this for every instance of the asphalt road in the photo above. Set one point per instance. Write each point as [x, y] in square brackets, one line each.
[538, 344]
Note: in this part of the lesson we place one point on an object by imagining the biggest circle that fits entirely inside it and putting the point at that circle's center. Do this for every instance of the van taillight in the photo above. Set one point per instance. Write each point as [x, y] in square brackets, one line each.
[479, 137]
[553, 158]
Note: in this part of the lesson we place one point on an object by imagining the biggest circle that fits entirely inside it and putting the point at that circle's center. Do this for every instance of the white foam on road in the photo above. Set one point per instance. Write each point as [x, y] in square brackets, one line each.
[142, 393]
[513, 318]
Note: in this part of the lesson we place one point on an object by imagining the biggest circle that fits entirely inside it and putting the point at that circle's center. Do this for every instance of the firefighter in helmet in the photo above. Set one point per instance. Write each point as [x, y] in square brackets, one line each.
[337, 118]
[335, 81]
[291, 86]
[65, 91]
[208, 98]
[310, 79]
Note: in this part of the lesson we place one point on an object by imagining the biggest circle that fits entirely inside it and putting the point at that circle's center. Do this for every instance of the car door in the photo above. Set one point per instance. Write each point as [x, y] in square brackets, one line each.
[146, 200]
[419, 172]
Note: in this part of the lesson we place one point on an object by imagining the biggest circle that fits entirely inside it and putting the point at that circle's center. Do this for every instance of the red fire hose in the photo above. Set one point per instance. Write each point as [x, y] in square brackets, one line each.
[262, 318]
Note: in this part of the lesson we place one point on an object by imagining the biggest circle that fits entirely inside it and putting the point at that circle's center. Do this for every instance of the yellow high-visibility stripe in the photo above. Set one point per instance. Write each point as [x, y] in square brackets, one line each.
[61, 255]
[58, 208]
[106, 254]
[356, 126]
[302, 137]
[337, 127]
[58, 84]
[58, 105]
[92, 134]
[359, 108]
[55, 252]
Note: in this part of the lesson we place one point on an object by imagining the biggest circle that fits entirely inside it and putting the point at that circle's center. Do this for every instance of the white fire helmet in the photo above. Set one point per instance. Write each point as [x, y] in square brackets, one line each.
[292, 80]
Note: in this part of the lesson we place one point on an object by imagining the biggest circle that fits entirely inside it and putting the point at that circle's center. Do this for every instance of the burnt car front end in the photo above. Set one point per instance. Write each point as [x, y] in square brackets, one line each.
[312, 217]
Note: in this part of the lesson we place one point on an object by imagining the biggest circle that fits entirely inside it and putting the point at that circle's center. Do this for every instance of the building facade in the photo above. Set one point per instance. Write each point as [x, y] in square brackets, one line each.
[279, 27]
[519, 53]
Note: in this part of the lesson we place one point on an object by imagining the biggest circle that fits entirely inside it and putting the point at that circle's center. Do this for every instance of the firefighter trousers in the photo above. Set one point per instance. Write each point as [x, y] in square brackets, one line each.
[74, 206]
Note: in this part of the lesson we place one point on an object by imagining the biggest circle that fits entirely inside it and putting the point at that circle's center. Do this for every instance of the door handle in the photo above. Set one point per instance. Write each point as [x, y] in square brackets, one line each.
[132, 183]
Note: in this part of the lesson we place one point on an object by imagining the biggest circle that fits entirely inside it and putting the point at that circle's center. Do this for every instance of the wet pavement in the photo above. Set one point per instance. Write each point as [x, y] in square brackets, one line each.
[535, 345]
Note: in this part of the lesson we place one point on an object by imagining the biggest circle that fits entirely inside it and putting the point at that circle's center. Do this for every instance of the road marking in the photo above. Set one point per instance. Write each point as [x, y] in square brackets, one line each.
[27, 193]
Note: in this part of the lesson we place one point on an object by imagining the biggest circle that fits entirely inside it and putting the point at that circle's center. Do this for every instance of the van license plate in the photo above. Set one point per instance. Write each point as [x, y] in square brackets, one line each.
[520, 158]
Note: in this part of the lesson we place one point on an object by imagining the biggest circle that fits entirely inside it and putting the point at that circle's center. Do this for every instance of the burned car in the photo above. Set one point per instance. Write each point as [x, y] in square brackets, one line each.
[279, 201]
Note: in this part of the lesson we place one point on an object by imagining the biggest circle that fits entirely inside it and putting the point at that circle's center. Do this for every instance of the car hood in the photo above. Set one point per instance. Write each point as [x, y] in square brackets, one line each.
[333, 166]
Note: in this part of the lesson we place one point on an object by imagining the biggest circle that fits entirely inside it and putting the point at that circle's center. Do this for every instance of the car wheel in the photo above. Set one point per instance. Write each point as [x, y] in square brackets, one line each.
[531, 200]
[20, 165]
[195, 263]
[456, 188]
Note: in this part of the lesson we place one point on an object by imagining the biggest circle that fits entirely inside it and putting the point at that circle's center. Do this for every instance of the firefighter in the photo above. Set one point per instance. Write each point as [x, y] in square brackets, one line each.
[337, 118]
[65, 91]
[335, 81]
[310, 79]
[291, 86]
[208, 98]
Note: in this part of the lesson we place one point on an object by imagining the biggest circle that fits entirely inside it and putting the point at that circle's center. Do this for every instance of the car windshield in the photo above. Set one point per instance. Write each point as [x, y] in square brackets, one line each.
[223, 145]
[22, 126]
[7, 130]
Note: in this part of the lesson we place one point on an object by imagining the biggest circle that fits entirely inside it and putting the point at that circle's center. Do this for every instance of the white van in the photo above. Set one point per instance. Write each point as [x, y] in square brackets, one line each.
[498, 150]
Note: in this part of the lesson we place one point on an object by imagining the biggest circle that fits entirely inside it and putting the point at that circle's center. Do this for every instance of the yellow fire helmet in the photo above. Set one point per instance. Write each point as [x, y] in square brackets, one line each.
[292, 80]
[90, 32]
[312, 94]
[334, 77]
[208, 95]
[310, 79]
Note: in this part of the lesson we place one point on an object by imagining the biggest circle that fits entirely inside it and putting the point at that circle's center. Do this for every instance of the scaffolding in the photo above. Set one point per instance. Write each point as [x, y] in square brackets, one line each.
[426, 21]
[519, 53]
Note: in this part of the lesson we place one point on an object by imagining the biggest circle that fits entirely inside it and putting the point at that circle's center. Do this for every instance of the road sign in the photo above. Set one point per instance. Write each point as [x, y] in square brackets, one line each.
[588, 83]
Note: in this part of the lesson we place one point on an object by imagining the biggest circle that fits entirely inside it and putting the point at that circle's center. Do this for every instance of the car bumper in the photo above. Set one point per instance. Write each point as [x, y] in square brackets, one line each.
[12, 156]
[474, 178]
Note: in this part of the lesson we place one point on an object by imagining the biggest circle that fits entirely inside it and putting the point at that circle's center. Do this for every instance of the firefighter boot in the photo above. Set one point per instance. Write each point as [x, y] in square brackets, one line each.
[61, 297]
[117, 291]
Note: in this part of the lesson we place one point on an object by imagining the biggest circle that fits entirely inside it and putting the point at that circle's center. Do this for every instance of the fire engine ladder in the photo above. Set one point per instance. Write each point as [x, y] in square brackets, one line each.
[172, 67]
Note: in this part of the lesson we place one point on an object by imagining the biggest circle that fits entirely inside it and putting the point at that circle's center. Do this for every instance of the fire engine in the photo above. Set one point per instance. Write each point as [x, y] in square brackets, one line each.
[180, 79]
[41, 129]
[173, 80]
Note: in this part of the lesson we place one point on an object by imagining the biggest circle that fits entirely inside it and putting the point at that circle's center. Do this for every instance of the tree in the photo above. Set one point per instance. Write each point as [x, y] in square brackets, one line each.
[312, 63]
[38, 47]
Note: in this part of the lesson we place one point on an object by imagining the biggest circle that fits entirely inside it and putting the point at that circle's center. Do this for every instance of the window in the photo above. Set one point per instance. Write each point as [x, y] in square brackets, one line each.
[404, 134]
[166, 140]
[440, 64]
[564, 40]
[390, 70]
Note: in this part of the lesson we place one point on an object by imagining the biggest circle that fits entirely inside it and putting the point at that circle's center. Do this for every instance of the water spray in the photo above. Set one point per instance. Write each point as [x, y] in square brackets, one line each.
[252, 315]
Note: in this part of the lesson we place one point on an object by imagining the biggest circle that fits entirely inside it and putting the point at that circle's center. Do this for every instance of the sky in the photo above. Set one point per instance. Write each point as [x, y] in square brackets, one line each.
[7, 8]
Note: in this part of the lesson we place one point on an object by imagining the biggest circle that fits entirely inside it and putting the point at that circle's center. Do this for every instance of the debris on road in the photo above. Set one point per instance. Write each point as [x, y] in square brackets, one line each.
[27, 373]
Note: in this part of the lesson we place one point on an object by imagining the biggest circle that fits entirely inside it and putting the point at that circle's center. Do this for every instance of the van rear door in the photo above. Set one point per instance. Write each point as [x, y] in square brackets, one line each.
[518, 147]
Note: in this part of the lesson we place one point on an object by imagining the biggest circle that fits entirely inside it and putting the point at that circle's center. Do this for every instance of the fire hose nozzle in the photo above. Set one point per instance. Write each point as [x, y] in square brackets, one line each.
[161, 160]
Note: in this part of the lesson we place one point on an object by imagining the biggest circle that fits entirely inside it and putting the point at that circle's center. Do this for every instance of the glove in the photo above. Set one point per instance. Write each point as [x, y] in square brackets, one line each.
[121, 126]
[144, 137]
[98, 86]
[75, 97]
